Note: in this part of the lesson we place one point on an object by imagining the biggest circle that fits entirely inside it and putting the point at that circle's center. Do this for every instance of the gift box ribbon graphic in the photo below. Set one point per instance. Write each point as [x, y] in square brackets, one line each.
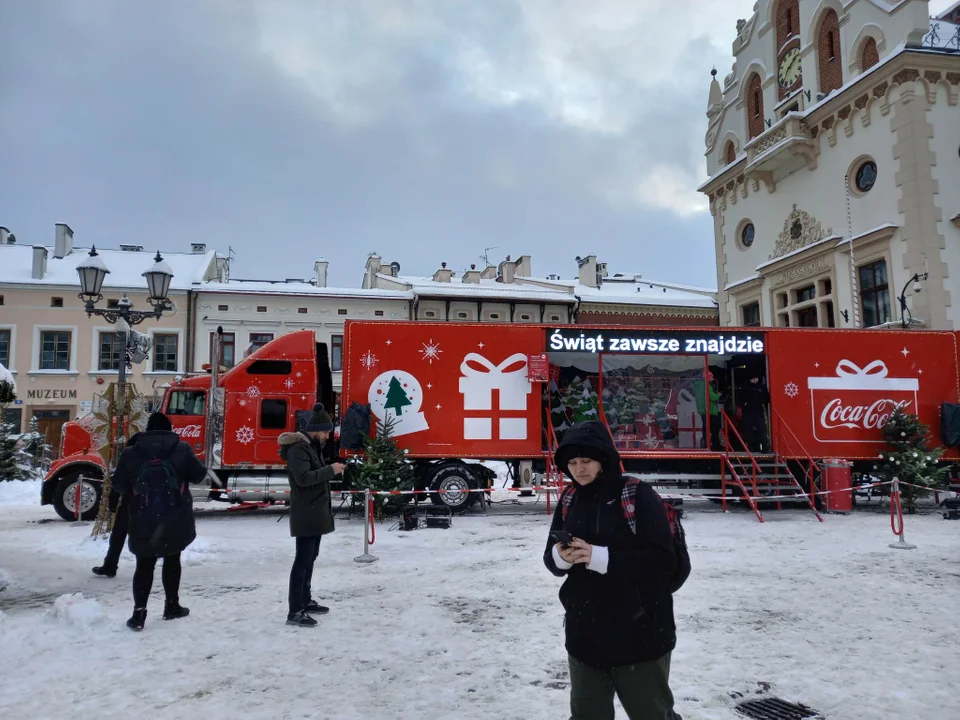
[477, 384]
[872, 377]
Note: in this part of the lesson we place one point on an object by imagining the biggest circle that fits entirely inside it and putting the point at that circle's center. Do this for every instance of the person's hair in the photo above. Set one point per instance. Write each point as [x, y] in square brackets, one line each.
[159, 421]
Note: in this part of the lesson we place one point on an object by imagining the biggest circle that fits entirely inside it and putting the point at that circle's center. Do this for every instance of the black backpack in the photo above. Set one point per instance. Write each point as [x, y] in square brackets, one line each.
[627, 500]
[157, 494]
[355, 427]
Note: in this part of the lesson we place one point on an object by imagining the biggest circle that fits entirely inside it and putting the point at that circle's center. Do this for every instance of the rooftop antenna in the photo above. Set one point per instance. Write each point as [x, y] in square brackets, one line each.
[231, 255]
[486, 255]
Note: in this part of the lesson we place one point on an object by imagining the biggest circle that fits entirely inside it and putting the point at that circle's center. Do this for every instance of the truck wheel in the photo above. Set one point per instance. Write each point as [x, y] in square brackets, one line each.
[64, 499]
[454, 483]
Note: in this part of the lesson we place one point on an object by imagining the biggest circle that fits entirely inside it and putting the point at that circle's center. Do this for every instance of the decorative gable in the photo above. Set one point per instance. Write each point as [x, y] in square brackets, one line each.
[799, 230]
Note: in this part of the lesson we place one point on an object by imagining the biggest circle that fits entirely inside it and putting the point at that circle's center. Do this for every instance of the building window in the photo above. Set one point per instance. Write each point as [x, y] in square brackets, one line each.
[866, 176]
[110, 347]
[746, 235]
[378, 313]
[5, 348]
[342, 311]
[273, 414]
[755, 106]
[430, 314]
[302, 311]
[165, 352]
[56, 302]
[55, 350]
[494, 316]
[831, 71]
[261, 308]
[874, 293]
[1, 299]
[222, 308]
[807, 305]
[807, 317]
[525, 317]
[731, 153]
[228, 344]
[462, 315]
[805, 293]
[555, 318]
[336, 353]
[258, 340]
[751, 314]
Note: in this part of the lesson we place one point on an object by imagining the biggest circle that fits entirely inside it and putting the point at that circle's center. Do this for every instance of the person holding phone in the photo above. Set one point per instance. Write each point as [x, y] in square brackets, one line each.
[619, 622]
[311, 509]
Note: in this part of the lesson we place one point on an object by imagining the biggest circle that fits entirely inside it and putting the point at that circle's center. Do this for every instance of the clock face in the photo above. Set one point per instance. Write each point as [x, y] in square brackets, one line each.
[789, 69]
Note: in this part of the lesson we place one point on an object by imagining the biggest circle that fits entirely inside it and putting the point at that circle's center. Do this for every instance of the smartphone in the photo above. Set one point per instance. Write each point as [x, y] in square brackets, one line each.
[562, 537]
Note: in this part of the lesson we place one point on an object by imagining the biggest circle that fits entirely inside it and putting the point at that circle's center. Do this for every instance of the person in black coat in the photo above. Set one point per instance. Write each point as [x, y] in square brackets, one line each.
[118, 533]
[158, 460]
[619, 623]
[754, 400]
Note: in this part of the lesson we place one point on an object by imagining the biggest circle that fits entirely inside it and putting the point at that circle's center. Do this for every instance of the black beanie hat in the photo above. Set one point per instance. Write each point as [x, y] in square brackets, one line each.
[159, 421]
[319, 421]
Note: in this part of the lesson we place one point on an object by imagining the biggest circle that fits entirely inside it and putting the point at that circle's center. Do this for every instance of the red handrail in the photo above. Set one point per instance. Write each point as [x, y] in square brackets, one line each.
[727, 427]
[808, 472]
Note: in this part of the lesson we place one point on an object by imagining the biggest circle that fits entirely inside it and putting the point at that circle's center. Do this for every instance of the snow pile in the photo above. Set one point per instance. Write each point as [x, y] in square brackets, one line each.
[76, 610]
[2, 616]
[20, 492]
[7, 376]
[4, 579]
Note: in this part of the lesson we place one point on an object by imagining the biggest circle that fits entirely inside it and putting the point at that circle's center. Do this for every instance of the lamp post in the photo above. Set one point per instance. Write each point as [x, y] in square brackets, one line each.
[93, 272]
[904, 312]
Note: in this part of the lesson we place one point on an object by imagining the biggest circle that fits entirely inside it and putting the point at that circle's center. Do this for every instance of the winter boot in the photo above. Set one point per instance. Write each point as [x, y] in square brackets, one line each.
[173, 610]
[136, 622]
[104, 571]
[315, 608]
[301, 619]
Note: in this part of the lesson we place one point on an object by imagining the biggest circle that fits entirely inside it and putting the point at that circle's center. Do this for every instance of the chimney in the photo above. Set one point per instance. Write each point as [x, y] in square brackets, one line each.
[587, 274]
[63, 244]
[489, 273]
[524, 268]
[39, 269]
[320, 269]
[131, 248]
[443, 274]
[5, 236]
[370, 271]
[507, 271]
[471, 276]
[198, 248]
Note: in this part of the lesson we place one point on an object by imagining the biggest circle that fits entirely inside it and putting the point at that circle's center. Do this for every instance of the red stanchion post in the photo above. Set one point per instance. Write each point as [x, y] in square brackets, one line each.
[367, 523]
[896, 518]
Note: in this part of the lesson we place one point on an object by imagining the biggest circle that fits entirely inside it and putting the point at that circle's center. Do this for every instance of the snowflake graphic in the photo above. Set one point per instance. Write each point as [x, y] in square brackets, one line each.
[253, 391]
[245, 435]
[791, 389]
[299, 374]
[369, 360]
[288, 383]
[431, 351]
[243, 402]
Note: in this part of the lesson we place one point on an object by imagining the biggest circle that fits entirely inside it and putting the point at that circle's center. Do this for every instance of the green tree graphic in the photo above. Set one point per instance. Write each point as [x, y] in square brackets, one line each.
[396, 397]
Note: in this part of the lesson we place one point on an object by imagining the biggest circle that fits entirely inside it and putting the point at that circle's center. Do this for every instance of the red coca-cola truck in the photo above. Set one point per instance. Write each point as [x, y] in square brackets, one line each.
[232, 420]
[461, 393]
[508, 392]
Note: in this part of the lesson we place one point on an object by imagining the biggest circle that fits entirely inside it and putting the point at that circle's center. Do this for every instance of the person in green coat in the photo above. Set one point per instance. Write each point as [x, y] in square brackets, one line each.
[700, 389]
[311, 509]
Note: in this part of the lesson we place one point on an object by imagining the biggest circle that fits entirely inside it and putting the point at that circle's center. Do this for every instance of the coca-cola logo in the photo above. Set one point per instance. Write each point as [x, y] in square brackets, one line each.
[867, 417]
[188, 431]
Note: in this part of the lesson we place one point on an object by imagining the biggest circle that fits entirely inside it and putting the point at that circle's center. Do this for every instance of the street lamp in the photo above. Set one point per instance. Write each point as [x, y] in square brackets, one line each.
[93, 271]
[905, 317]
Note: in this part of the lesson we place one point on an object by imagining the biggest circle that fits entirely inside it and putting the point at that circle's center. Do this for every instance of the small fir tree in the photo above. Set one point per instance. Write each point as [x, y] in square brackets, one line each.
[35, 448]
[11, 459]
[910, 457]
[385, 467]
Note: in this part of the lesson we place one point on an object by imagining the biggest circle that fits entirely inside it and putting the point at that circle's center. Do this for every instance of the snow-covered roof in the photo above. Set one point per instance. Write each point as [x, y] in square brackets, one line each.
[636, 291]
[427, 287]
[943, 35]
[126, 267]
[300, 287]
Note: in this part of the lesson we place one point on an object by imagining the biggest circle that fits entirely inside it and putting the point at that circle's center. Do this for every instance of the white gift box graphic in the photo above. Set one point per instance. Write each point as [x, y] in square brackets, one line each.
[855, 405]
[477, 385]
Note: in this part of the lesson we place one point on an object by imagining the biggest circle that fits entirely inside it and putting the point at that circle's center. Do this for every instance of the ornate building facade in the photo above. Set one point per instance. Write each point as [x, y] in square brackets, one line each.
[833, 149]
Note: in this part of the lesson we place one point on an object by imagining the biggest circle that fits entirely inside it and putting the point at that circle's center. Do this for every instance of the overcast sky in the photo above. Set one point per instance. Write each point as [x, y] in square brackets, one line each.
[424, 130]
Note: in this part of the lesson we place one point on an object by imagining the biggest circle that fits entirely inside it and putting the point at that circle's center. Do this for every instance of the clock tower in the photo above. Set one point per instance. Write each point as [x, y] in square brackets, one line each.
[789, 74]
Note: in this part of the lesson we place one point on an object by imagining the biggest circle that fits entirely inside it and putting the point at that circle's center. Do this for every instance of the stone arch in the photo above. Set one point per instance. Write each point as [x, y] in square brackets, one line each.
[729, 143]
[868, 32]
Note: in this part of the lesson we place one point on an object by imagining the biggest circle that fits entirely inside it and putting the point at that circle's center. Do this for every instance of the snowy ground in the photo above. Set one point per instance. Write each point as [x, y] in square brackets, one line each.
[465, 623]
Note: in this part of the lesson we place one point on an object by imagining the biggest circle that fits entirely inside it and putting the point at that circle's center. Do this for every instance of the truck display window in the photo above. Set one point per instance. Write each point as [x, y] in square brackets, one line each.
[187, 402]
[273, 414]
[270, 367]
[336, 353]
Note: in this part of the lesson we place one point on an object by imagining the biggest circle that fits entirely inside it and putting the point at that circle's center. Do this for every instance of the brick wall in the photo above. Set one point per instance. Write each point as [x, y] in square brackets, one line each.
[869, 56]
[755, 106]
[731, 152]
[829, 55]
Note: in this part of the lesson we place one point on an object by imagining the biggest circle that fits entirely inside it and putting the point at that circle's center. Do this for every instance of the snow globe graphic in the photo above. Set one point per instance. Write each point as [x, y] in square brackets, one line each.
[398, 395]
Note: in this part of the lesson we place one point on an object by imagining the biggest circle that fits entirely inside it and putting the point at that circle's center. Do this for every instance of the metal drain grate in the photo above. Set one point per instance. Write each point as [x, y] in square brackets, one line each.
[775, 709]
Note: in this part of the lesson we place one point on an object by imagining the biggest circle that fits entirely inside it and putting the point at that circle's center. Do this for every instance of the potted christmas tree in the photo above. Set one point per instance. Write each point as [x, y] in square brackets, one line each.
[385, 467]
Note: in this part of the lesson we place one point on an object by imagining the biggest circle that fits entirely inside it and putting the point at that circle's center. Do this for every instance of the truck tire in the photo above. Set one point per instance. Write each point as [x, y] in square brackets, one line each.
[91, 490]
[456, 481]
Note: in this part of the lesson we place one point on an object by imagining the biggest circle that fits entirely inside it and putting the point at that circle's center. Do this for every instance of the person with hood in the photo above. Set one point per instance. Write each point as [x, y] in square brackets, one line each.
[152, 479]
[619, 623]
[311, 509]
[754, 400]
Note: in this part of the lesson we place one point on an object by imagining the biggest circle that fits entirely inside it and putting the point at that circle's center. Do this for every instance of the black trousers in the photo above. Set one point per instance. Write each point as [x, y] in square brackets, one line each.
[643, 689]
[118, 536]
[301, 574]
[714, 432]
[755, 431]
[143, 579]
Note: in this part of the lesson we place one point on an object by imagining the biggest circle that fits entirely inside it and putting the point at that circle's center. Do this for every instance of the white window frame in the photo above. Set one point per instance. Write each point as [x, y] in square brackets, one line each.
[180, 351]
[12, 367]
[35, 354]
[95, 350]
